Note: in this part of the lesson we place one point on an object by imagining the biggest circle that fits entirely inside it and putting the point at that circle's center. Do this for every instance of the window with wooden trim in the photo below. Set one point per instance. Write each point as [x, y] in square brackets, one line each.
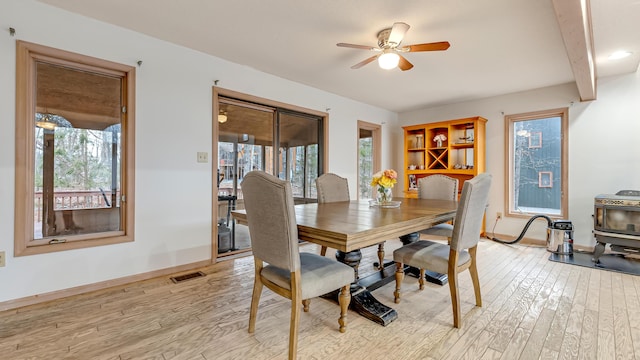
[537, 163]
[369, 155]
[74, 150]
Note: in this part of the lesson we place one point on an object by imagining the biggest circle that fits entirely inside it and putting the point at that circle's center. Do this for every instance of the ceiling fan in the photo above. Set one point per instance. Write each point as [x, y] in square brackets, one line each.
[389, 48]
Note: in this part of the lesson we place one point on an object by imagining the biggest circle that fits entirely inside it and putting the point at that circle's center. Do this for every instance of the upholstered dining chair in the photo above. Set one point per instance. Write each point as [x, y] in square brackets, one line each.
[298, 276]
[333, 188]
[460, 255]
[438, 187]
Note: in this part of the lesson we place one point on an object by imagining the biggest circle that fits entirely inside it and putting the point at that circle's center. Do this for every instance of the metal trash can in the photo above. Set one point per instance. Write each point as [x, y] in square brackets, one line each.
[560, 237]
[224, 238]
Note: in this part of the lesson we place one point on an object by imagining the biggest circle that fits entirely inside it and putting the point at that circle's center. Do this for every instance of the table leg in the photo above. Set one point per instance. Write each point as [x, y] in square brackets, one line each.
[362, 301]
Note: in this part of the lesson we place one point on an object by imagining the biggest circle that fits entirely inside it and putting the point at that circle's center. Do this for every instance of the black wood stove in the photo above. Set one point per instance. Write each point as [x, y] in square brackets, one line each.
[617, 222]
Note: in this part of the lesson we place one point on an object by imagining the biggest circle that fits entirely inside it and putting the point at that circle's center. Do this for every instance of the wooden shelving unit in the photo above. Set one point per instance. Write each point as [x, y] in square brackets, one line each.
[460, 153]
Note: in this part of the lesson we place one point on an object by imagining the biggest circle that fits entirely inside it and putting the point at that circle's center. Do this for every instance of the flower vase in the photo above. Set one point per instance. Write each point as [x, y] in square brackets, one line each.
[384, 195]
[439, 143]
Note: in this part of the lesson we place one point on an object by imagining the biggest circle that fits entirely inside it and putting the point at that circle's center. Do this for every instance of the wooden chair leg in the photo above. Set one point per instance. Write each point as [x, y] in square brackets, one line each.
[473, 270]
[381, 256]
[305, 305]
[421, 279]
[344, 299]
[296, 301]
[255, 299]
[453, 287]
[323, 250]
[399, 278]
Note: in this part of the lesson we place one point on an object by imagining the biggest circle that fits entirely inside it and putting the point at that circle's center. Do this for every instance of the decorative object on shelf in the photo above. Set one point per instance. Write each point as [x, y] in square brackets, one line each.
[439, 139]
[419, 144]
[413, 185]
[384, 181]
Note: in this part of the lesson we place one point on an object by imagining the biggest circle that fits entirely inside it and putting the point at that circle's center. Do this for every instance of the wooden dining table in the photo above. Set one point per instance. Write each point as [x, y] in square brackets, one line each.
[349, 226]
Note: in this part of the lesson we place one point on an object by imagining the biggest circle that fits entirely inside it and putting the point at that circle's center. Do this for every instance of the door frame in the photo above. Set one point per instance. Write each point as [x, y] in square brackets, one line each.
[222, 92]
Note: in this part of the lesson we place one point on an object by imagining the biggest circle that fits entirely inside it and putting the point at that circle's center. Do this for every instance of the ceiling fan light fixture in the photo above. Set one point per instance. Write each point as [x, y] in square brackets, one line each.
[222, 118]
[388, 59]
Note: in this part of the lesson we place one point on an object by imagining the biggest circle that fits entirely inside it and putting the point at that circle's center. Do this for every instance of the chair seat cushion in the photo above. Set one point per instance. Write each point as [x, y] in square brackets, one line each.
[320, 275]
[428, 255]
[444, 230]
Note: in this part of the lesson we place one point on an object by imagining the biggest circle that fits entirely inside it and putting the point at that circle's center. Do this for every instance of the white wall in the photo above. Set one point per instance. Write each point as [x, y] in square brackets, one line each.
[173, 122]
[604, 149]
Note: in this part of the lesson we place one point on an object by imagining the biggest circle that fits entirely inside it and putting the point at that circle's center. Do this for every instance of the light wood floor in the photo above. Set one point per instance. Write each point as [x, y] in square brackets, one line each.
[533, 308]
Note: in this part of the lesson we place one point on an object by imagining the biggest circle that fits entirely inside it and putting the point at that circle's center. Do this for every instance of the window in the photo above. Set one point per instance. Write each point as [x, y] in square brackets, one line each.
[368, 157]
[74, 151]
[537, 163]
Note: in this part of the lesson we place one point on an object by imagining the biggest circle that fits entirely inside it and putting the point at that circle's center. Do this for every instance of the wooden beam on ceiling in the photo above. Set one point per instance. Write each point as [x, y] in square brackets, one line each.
[574, 18]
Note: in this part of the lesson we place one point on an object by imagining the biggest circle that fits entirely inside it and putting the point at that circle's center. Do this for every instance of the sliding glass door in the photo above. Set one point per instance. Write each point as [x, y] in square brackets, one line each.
[248, 133]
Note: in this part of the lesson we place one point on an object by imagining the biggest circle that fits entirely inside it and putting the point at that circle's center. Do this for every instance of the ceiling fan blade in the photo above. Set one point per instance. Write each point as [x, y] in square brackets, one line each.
[363, 47]
[404, 64]
[434, 46]
[364, 62]
[397, 33]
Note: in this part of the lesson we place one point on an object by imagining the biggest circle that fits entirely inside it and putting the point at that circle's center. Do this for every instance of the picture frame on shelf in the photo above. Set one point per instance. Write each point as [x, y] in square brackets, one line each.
[413, 184]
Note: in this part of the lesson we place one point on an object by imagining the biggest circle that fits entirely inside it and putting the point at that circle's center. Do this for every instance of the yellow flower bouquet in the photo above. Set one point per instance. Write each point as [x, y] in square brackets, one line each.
[384, 181]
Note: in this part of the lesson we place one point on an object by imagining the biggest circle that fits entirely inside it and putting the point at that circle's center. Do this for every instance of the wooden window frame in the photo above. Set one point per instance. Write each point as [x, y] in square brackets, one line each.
[27, 54]
[510, 120]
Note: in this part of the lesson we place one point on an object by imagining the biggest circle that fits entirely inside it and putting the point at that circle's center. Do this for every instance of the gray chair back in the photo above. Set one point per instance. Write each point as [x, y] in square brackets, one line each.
[471, 208]
[271, 216]
[332, 188]
[438, 187]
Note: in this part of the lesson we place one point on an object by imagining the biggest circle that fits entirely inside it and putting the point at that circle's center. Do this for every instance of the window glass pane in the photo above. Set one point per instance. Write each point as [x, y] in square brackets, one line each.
[365, 165]
[77, 152]
[537, 166]
[296, 174]
[299, 138]
[245, 141]
[312, 171]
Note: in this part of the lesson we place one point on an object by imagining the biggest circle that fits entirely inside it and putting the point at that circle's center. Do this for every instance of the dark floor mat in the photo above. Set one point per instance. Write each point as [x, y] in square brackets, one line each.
[611, 262]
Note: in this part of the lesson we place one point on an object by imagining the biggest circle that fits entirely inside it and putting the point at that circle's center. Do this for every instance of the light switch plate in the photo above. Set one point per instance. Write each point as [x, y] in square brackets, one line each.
[203, 157]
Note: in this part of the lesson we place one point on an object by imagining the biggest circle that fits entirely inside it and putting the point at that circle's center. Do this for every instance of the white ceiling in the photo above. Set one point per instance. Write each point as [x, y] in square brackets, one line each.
[497, 46]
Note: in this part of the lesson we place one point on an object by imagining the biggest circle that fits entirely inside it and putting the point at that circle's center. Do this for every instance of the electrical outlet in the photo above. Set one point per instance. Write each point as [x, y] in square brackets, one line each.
[498, 215]
[203, 157]
[3, 255]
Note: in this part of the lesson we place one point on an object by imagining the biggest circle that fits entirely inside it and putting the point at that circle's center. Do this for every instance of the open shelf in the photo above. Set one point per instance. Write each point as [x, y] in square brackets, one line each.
[460, 153]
